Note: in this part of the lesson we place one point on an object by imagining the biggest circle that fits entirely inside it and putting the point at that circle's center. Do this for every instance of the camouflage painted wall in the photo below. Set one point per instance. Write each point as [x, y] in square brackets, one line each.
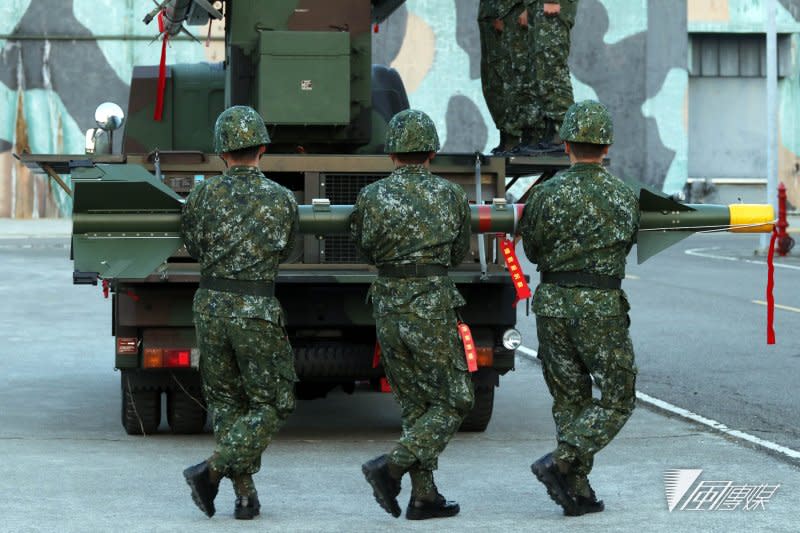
[60, 58]
[631, 54]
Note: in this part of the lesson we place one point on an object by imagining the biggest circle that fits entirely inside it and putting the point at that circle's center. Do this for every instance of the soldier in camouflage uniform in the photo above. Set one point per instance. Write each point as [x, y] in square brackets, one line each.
[524, 73]
[507, 71]
[551, 26]
[578, 227]
[413, 225]
[239, 226]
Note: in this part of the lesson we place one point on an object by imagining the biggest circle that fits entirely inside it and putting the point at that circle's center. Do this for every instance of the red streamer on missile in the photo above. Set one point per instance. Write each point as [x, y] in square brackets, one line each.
[770, 289]
[162, 71]
[515, 270]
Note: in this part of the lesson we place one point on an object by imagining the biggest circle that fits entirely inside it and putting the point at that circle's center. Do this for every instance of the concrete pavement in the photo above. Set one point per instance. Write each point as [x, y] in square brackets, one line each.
[68, 465]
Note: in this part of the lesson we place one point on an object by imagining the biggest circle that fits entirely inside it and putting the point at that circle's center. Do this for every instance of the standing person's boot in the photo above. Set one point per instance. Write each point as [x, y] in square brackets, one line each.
[553, 476]
[385, 481]
[426, 502]
[550, 141]
[204, 482]
[528, 143]
[247, 504]
[507, 142]
[585, 499]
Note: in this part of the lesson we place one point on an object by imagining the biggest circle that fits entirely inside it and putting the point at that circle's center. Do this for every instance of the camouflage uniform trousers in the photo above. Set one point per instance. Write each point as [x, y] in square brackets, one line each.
[572, 351]
[508, 75]
[247, 366]
[424, 363]
[550, 40]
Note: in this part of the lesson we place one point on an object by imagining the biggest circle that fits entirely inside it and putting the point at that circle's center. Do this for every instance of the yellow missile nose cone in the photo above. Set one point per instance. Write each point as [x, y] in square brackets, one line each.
[752, 218]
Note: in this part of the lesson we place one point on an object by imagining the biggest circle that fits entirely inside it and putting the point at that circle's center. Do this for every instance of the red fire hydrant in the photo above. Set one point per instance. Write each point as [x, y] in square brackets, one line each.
[785, 242]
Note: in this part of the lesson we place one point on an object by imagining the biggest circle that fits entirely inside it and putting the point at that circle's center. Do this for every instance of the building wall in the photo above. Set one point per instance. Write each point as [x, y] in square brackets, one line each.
[730, 141]
[631, 54]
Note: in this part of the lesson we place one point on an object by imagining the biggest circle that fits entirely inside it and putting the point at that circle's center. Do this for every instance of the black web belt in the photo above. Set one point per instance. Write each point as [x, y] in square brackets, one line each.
[411, 271]
[581, 279]
[238, 286]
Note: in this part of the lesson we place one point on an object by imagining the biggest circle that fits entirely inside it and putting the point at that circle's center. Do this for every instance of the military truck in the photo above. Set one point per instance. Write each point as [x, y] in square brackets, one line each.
[306, 66]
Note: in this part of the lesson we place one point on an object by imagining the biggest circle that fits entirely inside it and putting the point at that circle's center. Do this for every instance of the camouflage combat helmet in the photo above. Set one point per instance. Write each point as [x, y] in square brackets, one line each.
[411, 131]
[239, 127]
[588, 122]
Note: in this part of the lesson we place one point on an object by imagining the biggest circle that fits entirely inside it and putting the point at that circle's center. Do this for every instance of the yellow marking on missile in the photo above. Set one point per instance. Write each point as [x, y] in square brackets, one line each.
[779, 306]
[751, 218]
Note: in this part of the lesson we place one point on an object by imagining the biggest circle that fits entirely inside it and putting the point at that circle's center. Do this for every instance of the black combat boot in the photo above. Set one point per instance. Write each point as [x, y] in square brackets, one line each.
[507, 142]
[385, 486]
[585, 499]
[438, 507]
[546, 470]
[527, 145]
[247, 507]
[550, 142]
[204, 484]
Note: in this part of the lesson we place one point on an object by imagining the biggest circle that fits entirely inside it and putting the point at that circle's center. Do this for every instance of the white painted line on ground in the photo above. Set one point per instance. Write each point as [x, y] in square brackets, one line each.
[699, 419]
[779, 306]
[702, 252]
[631, 276]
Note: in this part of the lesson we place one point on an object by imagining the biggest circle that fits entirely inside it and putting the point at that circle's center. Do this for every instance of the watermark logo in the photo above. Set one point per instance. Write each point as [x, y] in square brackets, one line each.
[685, 493]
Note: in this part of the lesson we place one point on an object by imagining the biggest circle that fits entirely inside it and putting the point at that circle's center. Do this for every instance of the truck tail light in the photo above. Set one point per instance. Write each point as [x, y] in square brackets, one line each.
[177, 358]
[167, 358]
[153, 358]
[485, 356]
[127, 345]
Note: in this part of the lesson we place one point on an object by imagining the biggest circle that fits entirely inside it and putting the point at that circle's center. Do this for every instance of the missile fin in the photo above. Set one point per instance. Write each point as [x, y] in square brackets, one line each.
[207, 6]
[120, 257]
[652, 201]
[649, 243]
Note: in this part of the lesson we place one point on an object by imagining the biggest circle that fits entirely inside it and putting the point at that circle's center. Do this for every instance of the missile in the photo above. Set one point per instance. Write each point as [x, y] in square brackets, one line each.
[125, 222]
[176, 12]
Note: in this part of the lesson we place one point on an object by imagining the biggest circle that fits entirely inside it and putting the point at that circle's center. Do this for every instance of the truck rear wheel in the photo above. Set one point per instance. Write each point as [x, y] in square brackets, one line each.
[481, 413]
[141, 409]
[186, 414]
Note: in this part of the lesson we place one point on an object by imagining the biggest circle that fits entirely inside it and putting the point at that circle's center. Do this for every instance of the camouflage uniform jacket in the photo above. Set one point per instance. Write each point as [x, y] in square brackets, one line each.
[583, 219]
[412, 217]
[497, 9]
[239, 225]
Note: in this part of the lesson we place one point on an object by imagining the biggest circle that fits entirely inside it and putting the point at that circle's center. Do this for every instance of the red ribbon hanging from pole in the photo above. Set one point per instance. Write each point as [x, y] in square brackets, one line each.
[162, 71]
[515, 270]
[770, 288]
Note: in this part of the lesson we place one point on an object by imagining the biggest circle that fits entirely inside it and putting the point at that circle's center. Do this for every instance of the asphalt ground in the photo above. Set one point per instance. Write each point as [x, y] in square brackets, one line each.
[68, 465]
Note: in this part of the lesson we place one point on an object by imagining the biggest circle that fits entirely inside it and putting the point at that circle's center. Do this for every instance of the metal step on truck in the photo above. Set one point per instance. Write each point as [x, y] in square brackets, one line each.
[305, 65]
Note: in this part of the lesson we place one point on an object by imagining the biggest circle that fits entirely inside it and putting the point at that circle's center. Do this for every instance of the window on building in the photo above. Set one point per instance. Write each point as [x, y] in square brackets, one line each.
[727, 104]
[735, 55]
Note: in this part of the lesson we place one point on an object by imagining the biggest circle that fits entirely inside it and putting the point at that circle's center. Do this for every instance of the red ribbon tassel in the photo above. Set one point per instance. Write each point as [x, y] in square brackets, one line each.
[770, 288]
[470, 351]
[376, 355]
[162, 71]
[515, 270]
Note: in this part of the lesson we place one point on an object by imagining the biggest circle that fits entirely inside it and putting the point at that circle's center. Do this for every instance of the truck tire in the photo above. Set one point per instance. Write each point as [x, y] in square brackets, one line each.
[141, 410]
[184, 414]
[481, 413]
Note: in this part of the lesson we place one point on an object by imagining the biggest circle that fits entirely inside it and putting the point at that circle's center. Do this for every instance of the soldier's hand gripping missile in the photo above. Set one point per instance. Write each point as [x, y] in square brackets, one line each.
[127, 225]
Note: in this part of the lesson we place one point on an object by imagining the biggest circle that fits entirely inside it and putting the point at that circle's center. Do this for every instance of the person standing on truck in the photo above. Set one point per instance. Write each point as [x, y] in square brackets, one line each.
[525, 77]
[578, 227]
[413, 225]
[240, 226]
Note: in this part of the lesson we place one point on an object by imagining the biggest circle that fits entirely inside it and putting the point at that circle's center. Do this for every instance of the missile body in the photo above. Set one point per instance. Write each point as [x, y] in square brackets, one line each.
[128, 224]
